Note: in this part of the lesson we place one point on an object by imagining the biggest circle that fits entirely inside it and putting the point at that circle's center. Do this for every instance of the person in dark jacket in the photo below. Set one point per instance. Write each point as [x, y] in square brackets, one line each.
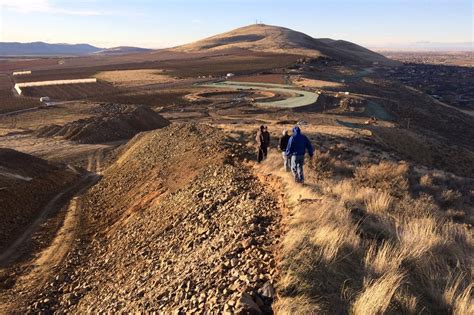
[282, 145]
[298, 145]
[261, 145]
[266, 141]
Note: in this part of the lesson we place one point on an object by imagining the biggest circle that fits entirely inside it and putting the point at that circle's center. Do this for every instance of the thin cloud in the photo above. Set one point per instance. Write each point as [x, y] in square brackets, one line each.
[45, 6]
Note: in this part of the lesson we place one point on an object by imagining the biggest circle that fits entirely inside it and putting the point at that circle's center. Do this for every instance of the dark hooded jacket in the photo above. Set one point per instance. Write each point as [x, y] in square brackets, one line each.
[299, 144]
[283, 143]
[262, 138]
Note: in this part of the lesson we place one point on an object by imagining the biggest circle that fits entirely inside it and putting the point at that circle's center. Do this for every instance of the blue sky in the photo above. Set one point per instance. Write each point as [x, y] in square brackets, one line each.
[164, 23]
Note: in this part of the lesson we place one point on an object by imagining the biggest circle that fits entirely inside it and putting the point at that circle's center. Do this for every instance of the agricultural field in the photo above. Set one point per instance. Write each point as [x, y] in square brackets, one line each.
[71, 91]
[134, 78]
[249, 63]
[166, 98]
[10, 102]
[264, 78]
[13, 64]
[50, 75]
[313, 83]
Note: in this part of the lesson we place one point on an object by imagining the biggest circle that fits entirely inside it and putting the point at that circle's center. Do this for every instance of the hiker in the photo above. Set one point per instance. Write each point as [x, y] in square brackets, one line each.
[296, 149]
[282, 145]
[266, 141]
[261, 144]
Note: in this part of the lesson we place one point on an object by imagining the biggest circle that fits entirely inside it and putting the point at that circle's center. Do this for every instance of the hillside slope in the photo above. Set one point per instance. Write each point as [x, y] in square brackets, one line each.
[27, 183]
[183, 228]
[274, 39]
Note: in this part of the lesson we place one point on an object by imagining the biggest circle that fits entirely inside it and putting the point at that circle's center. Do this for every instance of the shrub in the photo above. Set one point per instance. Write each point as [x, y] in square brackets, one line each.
[386, 176]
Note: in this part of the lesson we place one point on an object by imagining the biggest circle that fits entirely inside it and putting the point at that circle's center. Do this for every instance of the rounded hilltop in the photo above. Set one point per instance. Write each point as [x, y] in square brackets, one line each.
[276, 39]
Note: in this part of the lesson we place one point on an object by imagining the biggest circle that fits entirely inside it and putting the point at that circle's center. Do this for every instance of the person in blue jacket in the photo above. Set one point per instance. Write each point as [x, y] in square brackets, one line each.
[296, 149]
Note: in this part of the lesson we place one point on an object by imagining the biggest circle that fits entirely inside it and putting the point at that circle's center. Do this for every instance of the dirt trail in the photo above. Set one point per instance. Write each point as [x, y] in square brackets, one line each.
[42, 266]
[272, 174]
[94, 161]
[57, 251]
[17, 248]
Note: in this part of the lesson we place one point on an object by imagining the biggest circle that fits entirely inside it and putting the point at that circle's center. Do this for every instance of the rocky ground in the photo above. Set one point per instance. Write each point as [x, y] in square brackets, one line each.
[193, 231]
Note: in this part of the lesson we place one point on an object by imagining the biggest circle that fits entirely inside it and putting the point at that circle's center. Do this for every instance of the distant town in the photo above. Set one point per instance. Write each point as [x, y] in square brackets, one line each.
[447, 77]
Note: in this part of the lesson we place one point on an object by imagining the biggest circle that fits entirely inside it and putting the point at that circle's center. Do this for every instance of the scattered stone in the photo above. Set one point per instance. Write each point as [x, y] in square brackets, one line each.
[247, 305]
[181, 225]
[267, 290]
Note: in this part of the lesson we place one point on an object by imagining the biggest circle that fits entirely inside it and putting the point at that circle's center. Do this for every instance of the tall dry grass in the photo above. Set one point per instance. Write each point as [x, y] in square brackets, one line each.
[366, 244]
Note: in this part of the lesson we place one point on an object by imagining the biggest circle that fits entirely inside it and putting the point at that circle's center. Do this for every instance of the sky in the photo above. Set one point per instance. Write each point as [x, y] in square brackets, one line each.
[166, 23]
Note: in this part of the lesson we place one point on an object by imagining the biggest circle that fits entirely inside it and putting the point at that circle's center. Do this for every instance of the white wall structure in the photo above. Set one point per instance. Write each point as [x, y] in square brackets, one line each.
[21, 72]
[19, 86]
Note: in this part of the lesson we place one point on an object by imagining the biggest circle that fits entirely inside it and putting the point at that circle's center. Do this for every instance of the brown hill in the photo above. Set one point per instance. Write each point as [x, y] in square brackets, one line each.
[182, 228]
[274, 39]
[114, 122]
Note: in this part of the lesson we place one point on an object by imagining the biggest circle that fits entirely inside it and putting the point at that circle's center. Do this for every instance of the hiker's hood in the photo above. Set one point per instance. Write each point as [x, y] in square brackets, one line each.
[296, 130]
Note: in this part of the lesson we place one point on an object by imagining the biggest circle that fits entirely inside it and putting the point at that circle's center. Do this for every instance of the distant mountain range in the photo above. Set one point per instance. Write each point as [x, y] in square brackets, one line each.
[427, 46]
[45, 49]
[122, 50]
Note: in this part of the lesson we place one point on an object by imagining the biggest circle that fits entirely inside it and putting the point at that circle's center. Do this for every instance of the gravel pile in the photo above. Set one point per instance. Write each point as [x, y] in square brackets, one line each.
[177, 224]
[113, 122]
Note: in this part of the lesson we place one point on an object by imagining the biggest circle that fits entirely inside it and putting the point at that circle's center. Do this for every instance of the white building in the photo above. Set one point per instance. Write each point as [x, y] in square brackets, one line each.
[21, 72]
[19, 86]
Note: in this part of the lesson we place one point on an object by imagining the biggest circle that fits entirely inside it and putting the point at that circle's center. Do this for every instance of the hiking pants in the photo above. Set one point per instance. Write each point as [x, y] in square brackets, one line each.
[265, 151]
[261, 153]
[286, 162]
[297, 162]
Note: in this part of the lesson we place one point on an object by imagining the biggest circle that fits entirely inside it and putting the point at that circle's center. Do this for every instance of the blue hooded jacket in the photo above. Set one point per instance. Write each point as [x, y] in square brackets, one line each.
[298, 144]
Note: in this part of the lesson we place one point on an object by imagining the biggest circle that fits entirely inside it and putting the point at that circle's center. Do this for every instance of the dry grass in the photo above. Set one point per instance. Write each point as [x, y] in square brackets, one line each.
[313, 83]
[379, 202]
[367, 245]
[377, 295]
[385, 176]
[300, 305]
[133, 78]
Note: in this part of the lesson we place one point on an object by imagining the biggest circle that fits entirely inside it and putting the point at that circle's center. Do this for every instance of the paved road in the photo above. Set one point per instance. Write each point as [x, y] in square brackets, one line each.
[301, 98]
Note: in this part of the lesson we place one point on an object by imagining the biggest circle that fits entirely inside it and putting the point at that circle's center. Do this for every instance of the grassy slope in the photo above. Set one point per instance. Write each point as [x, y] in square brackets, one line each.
[370, 235]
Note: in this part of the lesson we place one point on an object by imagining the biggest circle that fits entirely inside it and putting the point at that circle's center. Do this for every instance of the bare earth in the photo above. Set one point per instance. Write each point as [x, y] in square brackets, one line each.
[133, 78]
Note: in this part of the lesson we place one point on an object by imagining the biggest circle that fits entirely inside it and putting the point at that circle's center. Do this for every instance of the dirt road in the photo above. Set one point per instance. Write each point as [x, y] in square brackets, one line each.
[38, 269]
[37, 108]
[301, 98]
